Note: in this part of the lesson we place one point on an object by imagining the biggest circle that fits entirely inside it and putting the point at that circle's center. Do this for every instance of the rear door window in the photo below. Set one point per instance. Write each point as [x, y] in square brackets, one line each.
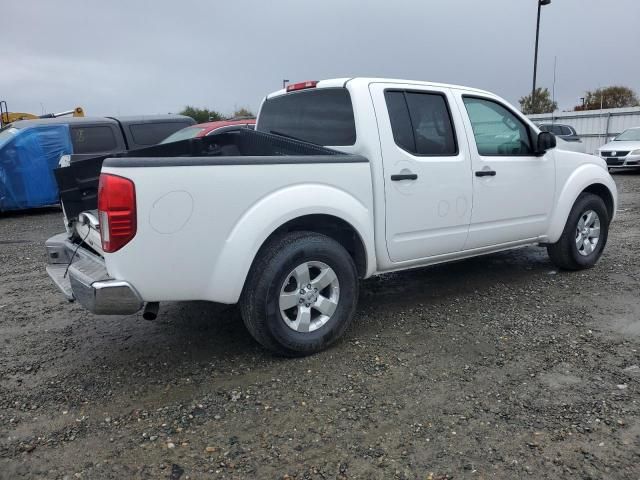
[93, 139]
[323, 116]
[555, 129]
[153, 133]
[400, 120]
[421, 122]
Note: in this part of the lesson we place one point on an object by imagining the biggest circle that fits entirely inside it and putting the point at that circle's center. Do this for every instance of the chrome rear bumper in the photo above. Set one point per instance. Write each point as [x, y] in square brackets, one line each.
[81, 275]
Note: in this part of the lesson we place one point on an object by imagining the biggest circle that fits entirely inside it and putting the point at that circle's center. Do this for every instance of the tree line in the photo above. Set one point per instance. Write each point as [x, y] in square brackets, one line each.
[607, 97]
[202, 115]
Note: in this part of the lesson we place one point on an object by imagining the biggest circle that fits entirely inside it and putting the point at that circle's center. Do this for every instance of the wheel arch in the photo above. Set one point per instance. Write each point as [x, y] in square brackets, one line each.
[333, 227]
[588, 178]
[603, 192]
[317, 208]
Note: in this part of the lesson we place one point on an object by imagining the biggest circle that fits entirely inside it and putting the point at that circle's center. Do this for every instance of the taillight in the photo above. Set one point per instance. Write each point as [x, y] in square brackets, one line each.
[116, 211]
[301, 85]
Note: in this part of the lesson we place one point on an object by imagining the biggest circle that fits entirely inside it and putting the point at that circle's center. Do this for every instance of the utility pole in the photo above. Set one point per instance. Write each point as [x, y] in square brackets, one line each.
[541, 3]
[553, 88]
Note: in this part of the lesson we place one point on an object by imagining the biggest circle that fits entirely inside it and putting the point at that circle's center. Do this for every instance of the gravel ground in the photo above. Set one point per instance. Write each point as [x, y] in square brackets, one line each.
[496, 367]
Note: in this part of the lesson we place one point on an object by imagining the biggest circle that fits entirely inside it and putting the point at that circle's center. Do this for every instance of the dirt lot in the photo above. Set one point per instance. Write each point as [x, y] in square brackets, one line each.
[497, 367]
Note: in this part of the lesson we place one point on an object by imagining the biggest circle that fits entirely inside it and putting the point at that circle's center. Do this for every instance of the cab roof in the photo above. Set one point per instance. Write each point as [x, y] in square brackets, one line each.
[343, 82]
[105, 120]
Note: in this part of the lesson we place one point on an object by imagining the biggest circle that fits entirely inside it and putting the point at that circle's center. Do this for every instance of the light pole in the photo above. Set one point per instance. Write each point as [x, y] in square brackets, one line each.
[541, 3]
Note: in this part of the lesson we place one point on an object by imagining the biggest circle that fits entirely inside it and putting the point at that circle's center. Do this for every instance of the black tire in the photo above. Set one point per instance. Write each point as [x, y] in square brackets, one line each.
[564, 253]
[259, 302]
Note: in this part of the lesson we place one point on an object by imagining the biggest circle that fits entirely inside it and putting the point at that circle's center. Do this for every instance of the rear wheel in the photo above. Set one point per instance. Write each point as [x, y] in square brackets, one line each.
[584, 235]
[301, 294]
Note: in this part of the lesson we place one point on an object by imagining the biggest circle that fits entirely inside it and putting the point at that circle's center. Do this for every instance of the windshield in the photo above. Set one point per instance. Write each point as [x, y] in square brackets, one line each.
[631, 135]
[184, 134]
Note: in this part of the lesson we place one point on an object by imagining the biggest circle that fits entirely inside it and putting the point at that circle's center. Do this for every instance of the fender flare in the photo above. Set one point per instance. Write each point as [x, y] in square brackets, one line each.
[579, 180]
[267, 214]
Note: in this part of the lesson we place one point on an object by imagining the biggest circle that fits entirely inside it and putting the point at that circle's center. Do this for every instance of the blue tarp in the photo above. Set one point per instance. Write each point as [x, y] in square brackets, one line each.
[27, 159]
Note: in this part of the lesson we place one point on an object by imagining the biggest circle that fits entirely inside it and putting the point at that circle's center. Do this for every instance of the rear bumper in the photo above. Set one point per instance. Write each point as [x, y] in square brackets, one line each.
[81, 275]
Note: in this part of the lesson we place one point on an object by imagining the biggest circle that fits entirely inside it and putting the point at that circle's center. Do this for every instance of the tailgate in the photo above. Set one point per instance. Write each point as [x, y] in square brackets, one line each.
[77, 179]
[78, 184]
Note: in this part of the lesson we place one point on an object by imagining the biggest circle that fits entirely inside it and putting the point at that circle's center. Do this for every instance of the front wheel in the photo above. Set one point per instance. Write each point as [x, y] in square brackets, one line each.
[301, 294]
[584, 236]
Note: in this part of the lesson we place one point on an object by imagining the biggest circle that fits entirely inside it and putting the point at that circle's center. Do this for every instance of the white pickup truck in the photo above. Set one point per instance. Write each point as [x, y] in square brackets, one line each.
[413, 174]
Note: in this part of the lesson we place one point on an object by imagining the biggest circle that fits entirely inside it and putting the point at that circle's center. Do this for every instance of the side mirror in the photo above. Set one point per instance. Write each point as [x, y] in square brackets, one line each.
[546, 141]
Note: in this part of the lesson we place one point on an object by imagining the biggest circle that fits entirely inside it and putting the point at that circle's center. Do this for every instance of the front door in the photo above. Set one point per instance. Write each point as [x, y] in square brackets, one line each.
[427, 170]
[513, 189]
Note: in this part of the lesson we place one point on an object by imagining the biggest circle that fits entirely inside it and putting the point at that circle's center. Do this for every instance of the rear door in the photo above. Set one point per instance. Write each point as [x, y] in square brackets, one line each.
[427, 171]
[513, 188]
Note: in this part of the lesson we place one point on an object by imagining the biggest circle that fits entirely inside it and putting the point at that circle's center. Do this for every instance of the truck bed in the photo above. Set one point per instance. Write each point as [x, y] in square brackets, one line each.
[78, 182]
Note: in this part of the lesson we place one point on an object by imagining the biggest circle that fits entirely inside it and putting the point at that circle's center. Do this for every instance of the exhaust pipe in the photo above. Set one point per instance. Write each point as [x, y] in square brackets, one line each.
[150, 311]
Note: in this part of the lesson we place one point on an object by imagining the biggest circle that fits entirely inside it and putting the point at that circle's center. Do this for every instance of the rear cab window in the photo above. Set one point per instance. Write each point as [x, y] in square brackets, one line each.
[151, 133]
[323, 116]
[93, 139]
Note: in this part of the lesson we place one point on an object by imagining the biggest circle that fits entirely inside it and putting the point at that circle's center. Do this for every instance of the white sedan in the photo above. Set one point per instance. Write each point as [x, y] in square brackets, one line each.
[623, 151]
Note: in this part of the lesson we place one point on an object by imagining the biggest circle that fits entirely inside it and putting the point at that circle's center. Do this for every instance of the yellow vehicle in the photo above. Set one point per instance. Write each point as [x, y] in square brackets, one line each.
[7, 117]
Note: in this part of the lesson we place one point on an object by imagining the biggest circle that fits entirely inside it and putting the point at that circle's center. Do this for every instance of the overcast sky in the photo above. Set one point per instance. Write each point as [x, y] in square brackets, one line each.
[141, 57]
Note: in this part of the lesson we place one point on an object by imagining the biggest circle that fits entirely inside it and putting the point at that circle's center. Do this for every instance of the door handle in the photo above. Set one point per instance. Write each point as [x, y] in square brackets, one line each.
[404, 176]
[486, 173]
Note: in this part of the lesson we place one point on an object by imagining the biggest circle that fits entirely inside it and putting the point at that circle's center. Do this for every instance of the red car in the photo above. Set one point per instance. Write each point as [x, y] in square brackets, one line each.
[204, 129]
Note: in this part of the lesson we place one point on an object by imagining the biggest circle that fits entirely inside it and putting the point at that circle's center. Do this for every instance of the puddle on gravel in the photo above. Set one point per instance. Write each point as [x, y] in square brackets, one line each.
[622, 315]
[626, 326]
[560, 380]
[560, 377]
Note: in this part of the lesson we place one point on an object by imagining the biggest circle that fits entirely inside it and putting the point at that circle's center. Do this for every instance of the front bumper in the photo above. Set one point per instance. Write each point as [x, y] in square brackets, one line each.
[622, 162]
[81, 275]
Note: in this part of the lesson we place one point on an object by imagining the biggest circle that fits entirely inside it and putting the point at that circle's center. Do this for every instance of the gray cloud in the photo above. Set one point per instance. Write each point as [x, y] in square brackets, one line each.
[132, 57]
